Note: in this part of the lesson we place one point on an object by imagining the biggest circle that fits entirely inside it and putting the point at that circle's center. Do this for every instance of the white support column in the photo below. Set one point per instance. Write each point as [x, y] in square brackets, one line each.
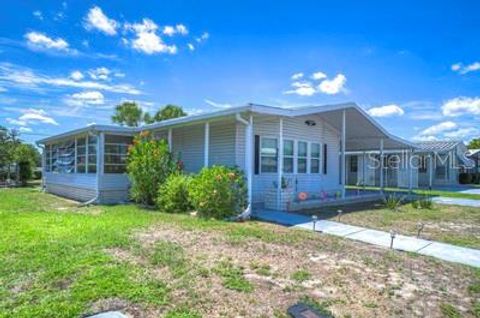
[207, 141]
[381, 165]
[75, 159]
[169, 140]
[344, 141]
[100, 153]
[364, 167]
[430, 170]
[280, 163]
[410, 170]
[249, 157]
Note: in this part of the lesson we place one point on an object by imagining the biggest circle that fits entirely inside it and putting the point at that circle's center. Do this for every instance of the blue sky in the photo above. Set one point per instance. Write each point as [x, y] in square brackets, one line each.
[414, 66]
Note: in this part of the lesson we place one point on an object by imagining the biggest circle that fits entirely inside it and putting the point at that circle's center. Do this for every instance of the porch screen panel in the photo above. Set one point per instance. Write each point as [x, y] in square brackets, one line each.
[269, 154]
[48, 158]
[116, 150]
[81, 154]
[92, 154]
[66, 156]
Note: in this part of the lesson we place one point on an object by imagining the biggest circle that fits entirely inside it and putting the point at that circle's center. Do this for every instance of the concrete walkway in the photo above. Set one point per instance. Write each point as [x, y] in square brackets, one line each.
[447, 252]
[457, 201]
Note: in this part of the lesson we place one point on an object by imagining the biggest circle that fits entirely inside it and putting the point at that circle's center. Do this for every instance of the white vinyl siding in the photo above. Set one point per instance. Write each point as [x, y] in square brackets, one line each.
[188, 146]
[222, 143]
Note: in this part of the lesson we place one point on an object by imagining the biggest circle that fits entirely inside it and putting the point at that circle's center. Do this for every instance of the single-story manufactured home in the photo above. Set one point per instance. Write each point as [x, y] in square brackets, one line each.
[292, 157]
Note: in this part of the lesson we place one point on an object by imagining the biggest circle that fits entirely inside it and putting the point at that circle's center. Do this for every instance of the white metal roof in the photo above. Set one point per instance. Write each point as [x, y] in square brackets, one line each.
[362, 131]
[438, 146]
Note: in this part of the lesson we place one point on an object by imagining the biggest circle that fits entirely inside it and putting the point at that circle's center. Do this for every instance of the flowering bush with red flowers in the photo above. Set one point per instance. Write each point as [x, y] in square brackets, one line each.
[149, 164]
[218, 192]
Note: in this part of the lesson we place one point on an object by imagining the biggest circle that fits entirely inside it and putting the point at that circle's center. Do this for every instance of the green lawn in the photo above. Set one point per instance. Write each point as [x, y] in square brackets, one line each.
[446, 223]
[443, 193]
[60, 260]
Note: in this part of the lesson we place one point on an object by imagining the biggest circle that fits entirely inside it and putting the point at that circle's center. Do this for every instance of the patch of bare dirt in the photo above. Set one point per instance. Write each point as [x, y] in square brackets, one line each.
[350, 278]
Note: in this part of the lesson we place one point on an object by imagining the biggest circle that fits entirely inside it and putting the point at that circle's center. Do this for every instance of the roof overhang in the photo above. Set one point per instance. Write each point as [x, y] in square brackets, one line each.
[362, 131]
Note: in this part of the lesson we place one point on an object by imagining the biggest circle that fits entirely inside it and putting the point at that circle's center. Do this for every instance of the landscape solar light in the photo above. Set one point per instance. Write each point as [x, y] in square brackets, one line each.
[392, 237]
[339, 215]
[420, 227]
[314, 221]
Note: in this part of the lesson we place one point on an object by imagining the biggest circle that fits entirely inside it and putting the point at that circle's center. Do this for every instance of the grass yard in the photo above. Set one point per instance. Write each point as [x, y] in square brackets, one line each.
[436, 193]
[59, 260]
[446, 223]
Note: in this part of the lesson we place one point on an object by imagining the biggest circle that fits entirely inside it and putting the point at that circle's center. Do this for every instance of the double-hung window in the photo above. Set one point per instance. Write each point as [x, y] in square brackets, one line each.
[48, 158]
[302, 157]
[288, 154]
[314, 158]
[269, 155]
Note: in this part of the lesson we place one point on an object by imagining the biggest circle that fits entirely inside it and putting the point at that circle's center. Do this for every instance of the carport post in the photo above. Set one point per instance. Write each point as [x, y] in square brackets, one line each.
[381, 165]
[410, 170]
[280, 163]
[430, 170]
[343, 170]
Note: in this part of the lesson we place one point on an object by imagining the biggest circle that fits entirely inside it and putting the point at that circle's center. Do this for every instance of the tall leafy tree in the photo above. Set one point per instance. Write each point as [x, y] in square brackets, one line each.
[169, 112]
[474, 144]
[128, 114]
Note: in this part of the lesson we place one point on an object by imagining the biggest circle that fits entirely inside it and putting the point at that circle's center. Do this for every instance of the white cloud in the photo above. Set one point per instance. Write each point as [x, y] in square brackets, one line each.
[217, 105]
[147, 40]
[424, 138]
[32, 116]
[319, 76]
[302, 89]
[99, 73]
[191, 47]
[41, 41]
[334, 86]
[25, 129]
[461, 106]
[38, 14]
[462, 133]
[96, 19]
[386, 111]
[438, 128]
[27, 79]
[172, 30]
[182, 29]
[3, 89]
[85, 99]
[202, 38]
[297, 76]
[76, 75]
[464, 69]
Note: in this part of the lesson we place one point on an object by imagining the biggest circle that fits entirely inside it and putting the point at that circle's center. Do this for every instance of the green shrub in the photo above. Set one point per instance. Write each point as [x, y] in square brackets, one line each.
[424, 202]
[218, 192]
[149, 164]
[173, 194]
[392, 202]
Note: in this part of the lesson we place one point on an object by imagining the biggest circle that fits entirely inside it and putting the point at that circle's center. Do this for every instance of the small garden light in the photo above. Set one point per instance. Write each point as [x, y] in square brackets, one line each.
[314, 221]
[420, 227]
[392, 237]
[339, 215]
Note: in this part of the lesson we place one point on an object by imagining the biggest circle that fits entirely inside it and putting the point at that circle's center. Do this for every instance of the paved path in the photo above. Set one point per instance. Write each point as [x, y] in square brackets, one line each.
[457, 201]
[447, 252]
